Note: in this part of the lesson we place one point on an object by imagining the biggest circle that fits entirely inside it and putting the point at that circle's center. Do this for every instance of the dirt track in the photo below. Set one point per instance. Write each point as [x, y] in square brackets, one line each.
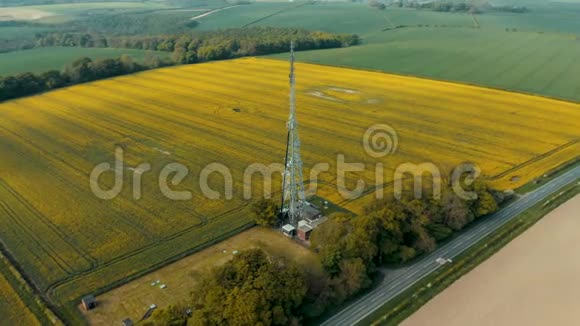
[212, 12]
[534, 280]
[18, 13]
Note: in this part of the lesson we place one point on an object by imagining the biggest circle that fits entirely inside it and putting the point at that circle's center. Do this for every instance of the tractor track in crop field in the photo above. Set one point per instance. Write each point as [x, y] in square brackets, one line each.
[158, 137]
[52, 287]
[534, 160]
[55, 285]
[146, 134]
[495, 177]
[30, 236]
[374, 188]
[245, 100]
[135, 131]
[249, 132]
[475, 21]
[51, 225]
[522, 61]
[51, 155]
[557, 76]
[530, 75]
[501, 51]
[275, 14]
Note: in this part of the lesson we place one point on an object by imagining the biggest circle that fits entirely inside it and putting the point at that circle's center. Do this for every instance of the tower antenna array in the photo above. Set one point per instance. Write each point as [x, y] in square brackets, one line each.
[293, 197]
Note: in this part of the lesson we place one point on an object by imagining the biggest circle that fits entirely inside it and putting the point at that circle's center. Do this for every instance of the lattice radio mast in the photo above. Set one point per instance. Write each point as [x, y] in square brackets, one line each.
[293, 197]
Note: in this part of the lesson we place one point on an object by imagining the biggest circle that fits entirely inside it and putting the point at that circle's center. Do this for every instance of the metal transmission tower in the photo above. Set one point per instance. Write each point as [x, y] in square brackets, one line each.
[293, 197]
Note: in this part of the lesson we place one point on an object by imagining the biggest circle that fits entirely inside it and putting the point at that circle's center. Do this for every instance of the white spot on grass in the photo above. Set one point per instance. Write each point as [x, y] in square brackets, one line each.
[321, 95]
[162, 151]
[344, 90]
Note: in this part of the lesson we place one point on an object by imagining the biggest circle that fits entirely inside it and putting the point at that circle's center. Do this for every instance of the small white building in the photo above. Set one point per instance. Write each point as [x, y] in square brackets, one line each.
[289, 230]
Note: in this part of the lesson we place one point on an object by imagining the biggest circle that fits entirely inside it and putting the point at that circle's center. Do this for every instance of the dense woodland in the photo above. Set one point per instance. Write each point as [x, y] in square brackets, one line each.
[133, 23]
[455, 6]
[186, 48]
[207, 46]
[80, 71]
[257, 289]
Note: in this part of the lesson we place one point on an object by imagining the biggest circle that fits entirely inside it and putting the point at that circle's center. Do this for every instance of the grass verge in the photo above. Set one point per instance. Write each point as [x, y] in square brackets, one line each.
[26, 293]
[548, 176]
[395, 311]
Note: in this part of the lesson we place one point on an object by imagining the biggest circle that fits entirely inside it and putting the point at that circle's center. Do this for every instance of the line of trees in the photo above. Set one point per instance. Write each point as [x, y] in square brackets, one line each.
[257, 289]
[454, 6]
[142, 22]
[185, 48]
[505, 8]
[377, 4]
[208, 46]
[80, 71]
[396, 231]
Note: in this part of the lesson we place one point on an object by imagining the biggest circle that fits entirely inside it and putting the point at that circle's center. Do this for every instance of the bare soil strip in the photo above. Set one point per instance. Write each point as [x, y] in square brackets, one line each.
[535, 280]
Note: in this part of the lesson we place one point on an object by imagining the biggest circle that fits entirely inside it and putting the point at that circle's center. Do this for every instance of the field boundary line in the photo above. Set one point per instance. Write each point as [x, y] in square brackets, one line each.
[50, 155]
[81, 253]
[29, 285]
[44, 246]
[210, 12]
[475, 21]
[71, 304]
[537, 159]
[442, 80]
[275, 14]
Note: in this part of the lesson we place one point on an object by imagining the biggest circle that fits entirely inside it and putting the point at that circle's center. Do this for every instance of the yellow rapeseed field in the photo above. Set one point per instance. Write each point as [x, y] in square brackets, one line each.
[234, 113]
[12, 309]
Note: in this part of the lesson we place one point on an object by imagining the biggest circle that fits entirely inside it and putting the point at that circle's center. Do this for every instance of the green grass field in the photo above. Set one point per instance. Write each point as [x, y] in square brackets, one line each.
[44, 59]
[544, 64]
[81, 8]
[539, 57]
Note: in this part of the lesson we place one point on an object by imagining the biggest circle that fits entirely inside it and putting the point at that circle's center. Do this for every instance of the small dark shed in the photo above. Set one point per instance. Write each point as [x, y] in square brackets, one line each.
[89, 302]
[127, 322]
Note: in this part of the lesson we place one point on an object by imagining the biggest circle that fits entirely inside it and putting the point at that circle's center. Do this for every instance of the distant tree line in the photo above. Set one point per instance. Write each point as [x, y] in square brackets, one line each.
[120, 22]
[457, 6]
[377, 4]
[256, 289]
[80, 71]
[505, 8]
[448, 6]
[185, 48]
[208, 46]
[396, 231]
[143, 22]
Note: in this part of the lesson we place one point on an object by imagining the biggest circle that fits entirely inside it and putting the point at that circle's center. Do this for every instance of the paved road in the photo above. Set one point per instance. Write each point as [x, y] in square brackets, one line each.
[398, 280]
